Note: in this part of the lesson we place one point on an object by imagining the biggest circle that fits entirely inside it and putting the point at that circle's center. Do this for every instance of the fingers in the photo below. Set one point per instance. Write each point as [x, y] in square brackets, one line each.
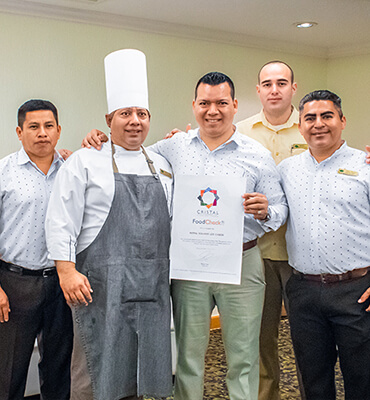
[174, 131]
[93, 138]
[364, 297]
[256, 204]
[170, 134]
[368, 154]
[80, 296]
[85, 143]
[65, 153]
[76, 288]
[4, 307]
[4, 314]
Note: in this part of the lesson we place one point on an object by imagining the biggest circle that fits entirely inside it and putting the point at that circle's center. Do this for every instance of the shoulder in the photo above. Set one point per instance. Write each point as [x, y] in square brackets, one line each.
[250, 145]
[292, 162]
[8, 159]
[175, 145]
[353, 158]
[245, 126]
[354, 153]
[10, 162]
[250, 120]
[88, 156]
[159, 161]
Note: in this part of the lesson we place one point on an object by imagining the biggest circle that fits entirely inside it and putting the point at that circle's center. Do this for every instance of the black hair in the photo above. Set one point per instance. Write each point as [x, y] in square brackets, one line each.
[35, 105]
[318, 95]
[214, 79]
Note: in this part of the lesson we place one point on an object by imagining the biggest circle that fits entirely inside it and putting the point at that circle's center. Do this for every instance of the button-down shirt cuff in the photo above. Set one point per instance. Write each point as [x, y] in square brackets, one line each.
[62, 249]
[278, 215]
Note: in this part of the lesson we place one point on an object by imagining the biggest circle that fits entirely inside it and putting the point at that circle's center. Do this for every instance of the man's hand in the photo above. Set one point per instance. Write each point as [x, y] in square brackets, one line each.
[76, 287]
[367, 148]
[4, 306]
[174, 131]
[65, 153]
[256, 204]
[364, 297]
[95, 139]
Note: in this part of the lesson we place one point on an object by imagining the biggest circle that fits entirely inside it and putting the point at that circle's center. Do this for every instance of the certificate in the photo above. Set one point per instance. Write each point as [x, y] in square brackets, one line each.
[207, 229]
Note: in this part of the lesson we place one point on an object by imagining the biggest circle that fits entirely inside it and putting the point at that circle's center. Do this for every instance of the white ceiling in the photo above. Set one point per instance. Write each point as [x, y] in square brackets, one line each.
[343, 25]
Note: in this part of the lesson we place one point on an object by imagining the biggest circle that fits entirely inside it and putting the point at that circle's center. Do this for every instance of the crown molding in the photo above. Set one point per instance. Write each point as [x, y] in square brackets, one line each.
[69, 14]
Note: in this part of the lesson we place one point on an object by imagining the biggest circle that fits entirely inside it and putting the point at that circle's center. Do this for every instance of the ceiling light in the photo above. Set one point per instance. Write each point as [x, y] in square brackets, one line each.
[305, 24]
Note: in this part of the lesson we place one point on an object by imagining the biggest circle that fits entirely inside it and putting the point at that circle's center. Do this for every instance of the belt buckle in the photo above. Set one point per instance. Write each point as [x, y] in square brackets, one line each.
[323, 278]
[47, 272]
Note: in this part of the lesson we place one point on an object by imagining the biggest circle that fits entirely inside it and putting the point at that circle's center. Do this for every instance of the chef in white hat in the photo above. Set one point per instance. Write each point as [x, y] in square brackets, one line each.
[108, 228]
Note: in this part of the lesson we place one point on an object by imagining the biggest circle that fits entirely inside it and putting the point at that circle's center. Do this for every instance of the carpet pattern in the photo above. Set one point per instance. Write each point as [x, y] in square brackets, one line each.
[215, 386]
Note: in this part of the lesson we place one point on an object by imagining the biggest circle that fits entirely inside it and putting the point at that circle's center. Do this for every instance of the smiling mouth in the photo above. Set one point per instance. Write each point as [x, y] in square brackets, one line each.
[134, 133]
[319, 133]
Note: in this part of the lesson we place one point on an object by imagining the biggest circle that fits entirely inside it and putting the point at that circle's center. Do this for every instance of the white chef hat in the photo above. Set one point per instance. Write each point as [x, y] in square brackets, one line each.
[126, 79]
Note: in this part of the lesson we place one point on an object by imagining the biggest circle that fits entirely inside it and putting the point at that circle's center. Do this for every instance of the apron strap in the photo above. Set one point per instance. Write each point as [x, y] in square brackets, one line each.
[150, 163]
[148, 160]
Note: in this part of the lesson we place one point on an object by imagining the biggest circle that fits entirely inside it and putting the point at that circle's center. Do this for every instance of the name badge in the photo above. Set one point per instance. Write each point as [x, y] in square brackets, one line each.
[165, 173]
[344, 171]
[300, 146]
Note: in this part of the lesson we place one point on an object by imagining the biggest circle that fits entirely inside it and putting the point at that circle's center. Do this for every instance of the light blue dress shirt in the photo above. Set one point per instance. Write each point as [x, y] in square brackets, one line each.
[329, 211]
[24, 196]
[239, 156]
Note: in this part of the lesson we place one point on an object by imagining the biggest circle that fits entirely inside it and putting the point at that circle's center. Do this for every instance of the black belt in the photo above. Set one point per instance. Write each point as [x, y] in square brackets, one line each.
[24, 271]
[249, 245]
[332, 278]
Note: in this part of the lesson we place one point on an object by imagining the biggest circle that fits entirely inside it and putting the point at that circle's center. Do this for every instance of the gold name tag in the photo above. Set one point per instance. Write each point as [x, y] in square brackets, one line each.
[165, 173]
[347, 172]
[300, 146]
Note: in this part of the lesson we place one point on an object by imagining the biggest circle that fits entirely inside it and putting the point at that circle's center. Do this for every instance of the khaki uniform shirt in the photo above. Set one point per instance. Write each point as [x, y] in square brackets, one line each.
[283, 141]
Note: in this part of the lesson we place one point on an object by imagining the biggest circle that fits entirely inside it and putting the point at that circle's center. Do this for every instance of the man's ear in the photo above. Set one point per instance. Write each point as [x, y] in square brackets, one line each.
[294, 88]
[108, 119]
[18, 129]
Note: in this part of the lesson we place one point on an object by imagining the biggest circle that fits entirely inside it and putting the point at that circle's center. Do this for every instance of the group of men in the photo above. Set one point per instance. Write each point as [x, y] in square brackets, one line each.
[108, 231]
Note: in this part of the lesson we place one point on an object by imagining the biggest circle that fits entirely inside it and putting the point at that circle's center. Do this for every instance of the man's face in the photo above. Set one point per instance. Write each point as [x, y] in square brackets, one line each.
[214, 109]
[129, 127]
[321, 126]
[39, 134]
[275, 88]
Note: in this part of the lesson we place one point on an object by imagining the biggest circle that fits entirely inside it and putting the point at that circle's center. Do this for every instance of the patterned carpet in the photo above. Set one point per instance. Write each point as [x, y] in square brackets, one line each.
[215, 387]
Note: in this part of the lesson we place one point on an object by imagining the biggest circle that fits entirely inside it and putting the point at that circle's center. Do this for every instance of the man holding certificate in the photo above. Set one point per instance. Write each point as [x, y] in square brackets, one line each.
[242, 174]
[218, 150]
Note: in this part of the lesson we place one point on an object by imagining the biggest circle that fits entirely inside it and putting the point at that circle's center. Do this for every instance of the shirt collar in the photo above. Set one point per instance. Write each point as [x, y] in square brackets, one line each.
[194, 135]
[336, 153]
[293, 120]
[23, 157]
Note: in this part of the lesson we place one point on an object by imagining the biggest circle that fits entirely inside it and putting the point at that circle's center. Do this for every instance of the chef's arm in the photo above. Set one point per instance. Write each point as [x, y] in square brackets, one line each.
[76, 287]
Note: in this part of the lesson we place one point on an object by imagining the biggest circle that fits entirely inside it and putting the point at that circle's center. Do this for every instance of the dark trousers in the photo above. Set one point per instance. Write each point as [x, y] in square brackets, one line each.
[326, 321]
[38, 309]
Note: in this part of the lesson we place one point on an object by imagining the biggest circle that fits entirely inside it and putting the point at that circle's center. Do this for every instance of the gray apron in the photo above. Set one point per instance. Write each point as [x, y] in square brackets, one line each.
[125, 331]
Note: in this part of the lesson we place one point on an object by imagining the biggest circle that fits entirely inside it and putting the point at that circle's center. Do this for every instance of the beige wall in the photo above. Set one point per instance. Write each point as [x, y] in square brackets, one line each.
[349, 77]
[63, 62]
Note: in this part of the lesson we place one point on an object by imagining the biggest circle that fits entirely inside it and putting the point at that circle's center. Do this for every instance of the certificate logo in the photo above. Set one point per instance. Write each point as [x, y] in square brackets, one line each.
[208, 198]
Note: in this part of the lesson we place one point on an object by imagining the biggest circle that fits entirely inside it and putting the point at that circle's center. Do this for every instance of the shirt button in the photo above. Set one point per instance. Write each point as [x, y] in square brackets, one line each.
[277, 153]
